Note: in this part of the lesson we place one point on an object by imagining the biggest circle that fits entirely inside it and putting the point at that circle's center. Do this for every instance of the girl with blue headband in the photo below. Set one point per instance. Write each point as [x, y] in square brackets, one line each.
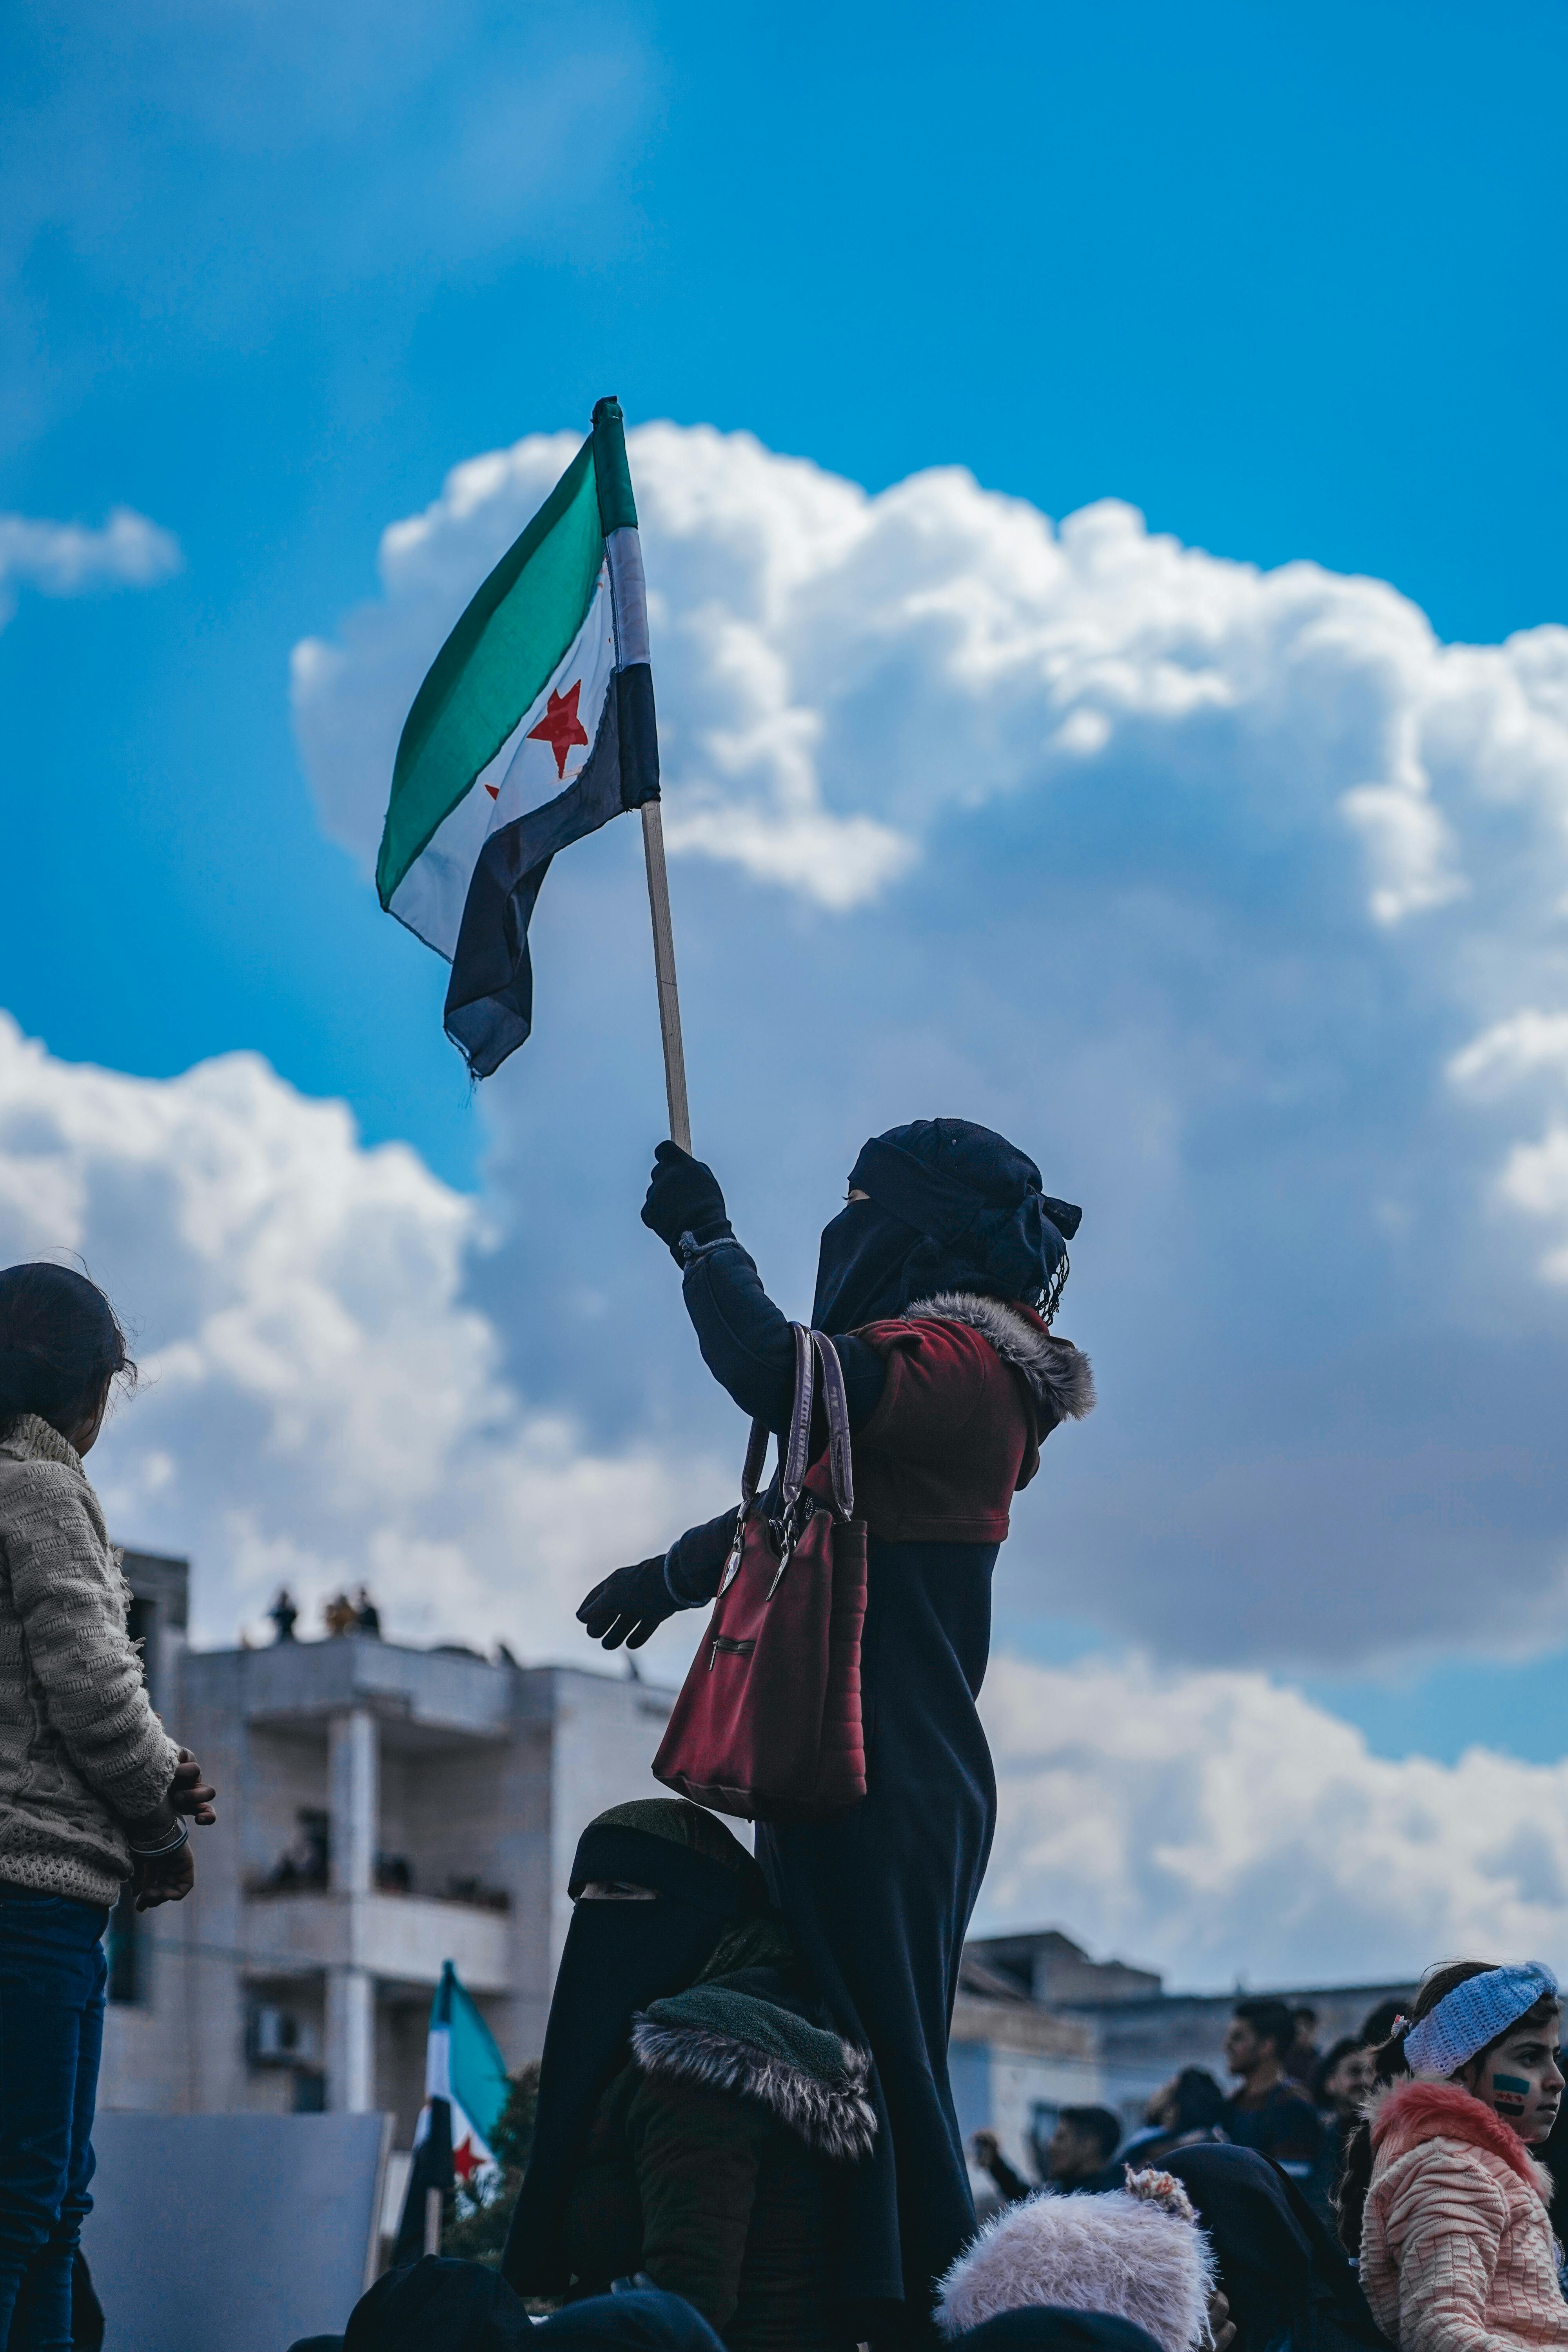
[1440, 2196]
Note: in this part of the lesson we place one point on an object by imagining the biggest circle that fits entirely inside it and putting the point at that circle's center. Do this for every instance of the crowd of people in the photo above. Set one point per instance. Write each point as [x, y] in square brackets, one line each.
[1292, 2103]
[744, 2138]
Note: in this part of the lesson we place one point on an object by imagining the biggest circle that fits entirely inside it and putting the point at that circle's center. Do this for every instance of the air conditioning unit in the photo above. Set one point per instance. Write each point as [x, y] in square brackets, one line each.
[281, 2037]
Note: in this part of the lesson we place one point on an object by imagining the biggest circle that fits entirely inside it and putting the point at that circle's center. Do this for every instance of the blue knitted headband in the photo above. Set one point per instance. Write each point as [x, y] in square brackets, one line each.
[1475, 2013]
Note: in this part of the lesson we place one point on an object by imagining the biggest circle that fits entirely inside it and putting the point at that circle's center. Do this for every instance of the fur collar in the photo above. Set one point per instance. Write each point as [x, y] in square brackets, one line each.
[1406, 2114]
[30, 1439]
[1057, 1372]
[827, 2107]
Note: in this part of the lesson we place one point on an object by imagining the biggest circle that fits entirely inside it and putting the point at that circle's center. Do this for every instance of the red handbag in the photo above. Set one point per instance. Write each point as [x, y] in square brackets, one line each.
[767, 1723]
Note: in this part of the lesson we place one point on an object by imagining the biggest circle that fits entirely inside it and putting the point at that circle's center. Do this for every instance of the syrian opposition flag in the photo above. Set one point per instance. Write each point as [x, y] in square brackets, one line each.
[466, 2090]
[534, 727]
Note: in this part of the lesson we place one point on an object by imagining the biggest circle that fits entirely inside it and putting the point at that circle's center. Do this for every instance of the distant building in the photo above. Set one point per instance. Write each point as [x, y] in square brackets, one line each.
[1049, 1967]
[1011, 2060]
[381, 1810]
[1132, 2035]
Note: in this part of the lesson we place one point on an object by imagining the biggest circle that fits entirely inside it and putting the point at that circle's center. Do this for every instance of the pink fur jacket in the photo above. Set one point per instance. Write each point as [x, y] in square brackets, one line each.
[1456, 2251]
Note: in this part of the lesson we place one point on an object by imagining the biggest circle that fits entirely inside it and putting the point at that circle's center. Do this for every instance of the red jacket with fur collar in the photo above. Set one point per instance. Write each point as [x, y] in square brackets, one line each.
[973, 1385]
[1457, 2250]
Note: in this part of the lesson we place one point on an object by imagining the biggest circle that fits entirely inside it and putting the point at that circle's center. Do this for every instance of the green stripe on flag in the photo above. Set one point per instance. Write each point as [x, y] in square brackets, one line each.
[477, 2069]
[494, 663]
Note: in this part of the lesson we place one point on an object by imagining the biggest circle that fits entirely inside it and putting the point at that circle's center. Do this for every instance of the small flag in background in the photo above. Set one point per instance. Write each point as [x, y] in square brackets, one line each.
[544, 683]
[466, 2090]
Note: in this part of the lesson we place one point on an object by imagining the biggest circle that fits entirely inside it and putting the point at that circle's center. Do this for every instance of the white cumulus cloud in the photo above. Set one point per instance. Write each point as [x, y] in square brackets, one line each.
[1235, 895]
[1219, 1825]
[836, 670]
[319, 1403]
[68, 559]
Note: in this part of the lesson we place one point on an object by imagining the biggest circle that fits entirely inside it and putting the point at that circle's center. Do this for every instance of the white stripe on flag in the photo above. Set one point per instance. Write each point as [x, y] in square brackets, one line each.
[524, 774]
[438, 2064]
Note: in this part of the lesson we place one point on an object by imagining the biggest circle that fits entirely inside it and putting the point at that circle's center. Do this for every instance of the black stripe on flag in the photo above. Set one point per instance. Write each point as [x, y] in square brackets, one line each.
[490, 1003]
[432, 2169]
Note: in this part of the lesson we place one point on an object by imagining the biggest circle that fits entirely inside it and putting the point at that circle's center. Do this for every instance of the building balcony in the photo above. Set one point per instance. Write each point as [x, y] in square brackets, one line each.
[400, 1939]
[437, 1693]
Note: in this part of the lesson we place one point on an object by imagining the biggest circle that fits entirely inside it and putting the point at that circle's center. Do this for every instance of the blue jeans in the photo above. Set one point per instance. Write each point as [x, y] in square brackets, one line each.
[52, 1976]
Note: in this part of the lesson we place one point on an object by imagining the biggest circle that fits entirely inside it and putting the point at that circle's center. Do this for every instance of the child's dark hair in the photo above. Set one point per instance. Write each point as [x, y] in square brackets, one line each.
[61, 1346]
[1197, 2100]
[1390, 2064]
[1097, 2124]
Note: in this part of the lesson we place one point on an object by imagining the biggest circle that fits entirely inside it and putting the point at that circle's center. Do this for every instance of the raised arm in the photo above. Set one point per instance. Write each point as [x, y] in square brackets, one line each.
[745, 1338]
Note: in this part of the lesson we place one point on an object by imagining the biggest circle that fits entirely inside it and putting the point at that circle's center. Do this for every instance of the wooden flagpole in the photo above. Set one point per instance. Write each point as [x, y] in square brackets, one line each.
[664, 972]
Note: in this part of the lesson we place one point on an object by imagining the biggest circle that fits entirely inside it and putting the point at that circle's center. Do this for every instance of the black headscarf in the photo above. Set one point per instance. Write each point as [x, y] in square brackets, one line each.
[1278, 2268]
[618, 1958]
[440, 2306]
[951, 1206]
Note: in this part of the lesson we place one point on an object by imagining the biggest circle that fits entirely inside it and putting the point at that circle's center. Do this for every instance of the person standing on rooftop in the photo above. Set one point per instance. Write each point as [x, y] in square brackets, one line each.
[92, 1791]
[938, 1281]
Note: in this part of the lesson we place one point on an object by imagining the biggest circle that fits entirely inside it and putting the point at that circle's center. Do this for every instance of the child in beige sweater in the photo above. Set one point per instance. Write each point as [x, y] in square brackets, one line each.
[93, 1793]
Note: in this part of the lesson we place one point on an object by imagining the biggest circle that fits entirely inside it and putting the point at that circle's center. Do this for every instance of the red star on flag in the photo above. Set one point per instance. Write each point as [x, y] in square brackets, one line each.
[560, 726]
[464, 2160]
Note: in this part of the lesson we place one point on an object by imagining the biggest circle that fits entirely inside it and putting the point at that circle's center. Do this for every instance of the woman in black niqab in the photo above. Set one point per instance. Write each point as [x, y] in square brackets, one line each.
[618, 1958]
[938, 1285]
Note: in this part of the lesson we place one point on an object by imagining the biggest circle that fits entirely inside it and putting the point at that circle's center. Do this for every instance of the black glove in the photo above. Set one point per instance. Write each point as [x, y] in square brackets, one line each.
[629, 1605]
[683, 1197]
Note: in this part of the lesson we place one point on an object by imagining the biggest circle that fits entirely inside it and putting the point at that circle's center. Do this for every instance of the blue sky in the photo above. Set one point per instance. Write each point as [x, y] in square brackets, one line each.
[1290, 288]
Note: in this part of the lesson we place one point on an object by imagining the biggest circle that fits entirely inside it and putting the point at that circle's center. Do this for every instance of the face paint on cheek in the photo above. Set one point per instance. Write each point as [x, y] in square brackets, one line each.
[1511, 2092]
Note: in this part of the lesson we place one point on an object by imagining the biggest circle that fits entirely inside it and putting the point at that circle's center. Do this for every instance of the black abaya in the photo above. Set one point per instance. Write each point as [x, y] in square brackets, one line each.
[878, 1900]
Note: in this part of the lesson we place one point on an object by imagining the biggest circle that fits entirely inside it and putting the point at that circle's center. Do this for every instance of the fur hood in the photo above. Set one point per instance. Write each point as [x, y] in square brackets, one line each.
[809, 2081]
[1136, 2252]
[1057, 1372]
[1406, 2114]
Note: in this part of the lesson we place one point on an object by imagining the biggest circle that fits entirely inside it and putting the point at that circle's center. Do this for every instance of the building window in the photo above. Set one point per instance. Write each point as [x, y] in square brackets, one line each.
[125, 1950]
[310, 2091]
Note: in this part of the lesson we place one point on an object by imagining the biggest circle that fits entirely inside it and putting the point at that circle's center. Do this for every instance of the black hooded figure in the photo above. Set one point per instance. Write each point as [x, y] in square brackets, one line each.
[937, 1281]
[698, 2113]
[1286, 2279]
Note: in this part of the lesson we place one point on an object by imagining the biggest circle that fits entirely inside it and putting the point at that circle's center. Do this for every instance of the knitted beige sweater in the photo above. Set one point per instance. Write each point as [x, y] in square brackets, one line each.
[1456, 2251]
[79, 1743]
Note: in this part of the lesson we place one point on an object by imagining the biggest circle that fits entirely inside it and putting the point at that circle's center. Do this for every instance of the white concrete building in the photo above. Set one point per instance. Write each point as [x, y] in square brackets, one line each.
[381, 1810]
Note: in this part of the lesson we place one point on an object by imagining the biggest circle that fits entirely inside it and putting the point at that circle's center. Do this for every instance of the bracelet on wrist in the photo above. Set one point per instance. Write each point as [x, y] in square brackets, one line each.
[172, 1844]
